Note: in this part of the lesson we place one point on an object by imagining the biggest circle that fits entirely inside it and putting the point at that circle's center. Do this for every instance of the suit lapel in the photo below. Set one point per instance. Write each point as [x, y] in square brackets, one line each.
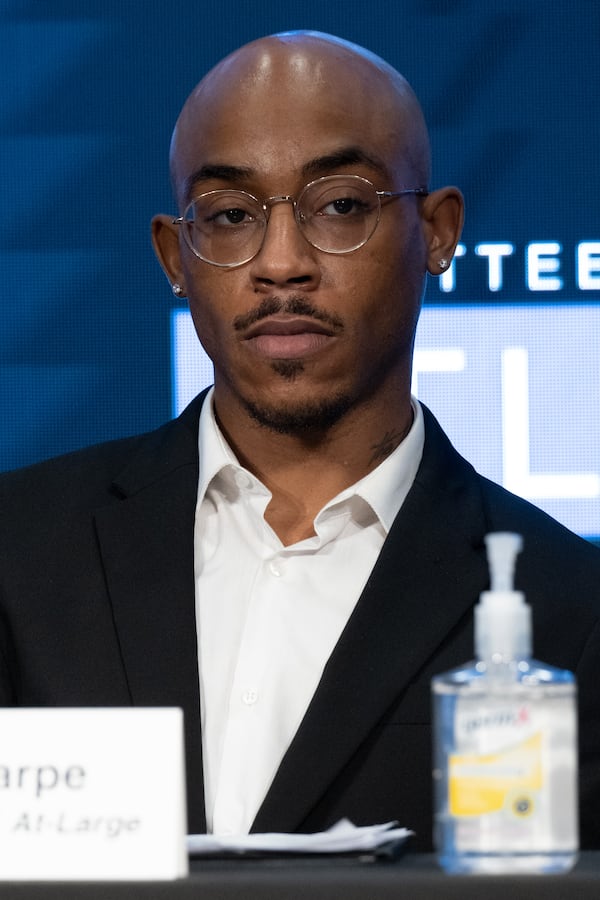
[146, 542]
[427, 577]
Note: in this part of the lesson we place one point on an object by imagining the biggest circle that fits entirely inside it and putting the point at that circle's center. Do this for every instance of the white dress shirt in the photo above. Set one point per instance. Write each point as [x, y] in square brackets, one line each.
[269, 616]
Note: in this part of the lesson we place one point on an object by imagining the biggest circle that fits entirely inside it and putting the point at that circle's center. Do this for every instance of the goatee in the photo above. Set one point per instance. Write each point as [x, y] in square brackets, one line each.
[306, 418]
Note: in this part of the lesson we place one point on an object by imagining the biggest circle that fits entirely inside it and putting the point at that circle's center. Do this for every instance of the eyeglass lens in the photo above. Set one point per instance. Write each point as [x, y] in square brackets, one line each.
[336, 214]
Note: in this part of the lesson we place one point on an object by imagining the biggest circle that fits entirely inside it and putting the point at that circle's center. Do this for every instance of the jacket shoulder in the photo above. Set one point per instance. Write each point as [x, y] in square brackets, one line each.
[94, 472]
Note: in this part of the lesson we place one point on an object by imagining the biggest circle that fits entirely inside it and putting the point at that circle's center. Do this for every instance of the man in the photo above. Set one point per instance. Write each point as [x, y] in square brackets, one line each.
[294, 557]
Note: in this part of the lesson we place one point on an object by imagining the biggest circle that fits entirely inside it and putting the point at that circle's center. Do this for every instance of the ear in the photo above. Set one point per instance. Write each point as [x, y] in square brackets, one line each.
[165, 240]
[443, 214]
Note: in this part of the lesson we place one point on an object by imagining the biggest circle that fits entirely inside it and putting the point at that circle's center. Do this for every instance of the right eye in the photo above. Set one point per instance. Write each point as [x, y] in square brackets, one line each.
[224, 210]
[225, 217]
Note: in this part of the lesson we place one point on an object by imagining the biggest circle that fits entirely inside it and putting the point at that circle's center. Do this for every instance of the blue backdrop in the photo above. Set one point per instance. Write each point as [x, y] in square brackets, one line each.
[92, 345]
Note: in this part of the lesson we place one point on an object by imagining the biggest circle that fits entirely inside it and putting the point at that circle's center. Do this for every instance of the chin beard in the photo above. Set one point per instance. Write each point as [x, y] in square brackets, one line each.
[303, 418]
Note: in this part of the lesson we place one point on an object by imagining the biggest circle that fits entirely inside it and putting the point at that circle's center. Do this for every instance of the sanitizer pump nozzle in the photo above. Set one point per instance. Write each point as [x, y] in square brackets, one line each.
[502, 618]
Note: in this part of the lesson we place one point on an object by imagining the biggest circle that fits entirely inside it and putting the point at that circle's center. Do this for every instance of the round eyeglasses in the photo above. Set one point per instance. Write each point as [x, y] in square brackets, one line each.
[336, 214]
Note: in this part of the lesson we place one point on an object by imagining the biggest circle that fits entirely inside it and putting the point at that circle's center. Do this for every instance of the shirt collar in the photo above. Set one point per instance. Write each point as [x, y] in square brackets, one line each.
[384, 489]
[215, 453]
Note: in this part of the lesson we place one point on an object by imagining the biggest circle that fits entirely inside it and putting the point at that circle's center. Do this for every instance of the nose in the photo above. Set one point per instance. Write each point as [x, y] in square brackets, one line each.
[285, 257]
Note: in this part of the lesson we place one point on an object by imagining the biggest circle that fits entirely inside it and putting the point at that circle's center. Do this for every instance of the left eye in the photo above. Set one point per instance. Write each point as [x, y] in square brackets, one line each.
[343, 206]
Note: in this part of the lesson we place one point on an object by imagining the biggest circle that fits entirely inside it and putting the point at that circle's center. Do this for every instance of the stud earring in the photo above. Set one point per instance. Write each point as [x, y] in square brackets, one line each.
[177, 290]
[443, 263]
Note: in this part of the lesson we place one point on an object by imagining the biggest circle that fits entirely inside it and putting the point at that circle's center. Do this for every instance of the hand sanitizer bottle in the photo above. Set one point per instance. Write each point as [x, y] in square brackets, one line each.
[505, 743]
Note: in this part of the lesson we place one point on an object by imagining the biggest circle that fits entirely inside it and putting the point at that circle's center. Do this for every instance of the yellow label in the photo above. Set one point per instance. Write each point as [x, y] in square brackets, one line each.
[485, 783]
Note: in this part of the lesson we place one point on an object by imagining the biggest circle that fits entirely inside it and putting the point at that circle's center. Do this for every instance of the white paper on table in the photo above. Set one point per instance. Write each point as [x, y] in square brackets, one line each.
[343, 837]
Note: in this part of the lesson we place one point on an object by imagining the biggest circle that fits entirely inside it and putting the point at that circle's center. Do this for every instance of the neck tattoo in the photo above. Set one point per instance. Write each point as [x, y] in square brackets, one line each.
[387, 444]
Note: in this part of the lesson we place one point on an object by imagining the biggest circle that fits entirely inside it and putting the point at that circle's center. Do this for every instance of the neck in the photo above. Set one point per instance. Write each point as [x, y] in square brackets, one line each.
[304, 470]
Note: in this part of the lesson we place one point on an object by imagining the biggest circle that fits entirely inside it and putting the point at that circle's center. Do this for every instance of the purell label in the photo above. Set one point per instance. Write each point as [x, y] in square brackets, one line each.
[482, 783]
[506, 719]
[512, 774]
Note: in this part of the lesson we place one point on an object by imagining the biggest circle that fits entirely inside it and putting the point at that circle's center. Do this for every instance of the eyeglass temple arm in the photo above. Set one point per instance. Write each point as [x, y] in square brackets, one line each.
[420, 192]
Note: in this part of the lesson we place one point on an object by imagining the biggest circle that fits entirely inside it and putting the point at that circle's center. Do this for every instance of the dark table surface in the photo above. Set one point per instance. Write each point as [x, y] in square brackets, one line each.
[412, 877]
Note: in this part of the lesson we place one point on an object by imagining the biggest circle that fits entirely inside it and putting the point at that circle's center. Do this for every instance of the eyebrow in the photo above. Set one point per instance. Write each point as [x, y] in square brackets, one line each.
[320, 165]
[345, 156]
[212, 171]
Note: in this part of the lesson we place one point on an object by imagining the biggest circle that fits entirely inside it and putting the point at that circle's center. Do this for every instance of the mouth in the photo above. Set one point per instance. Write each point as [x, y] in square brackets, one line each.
[288, 337]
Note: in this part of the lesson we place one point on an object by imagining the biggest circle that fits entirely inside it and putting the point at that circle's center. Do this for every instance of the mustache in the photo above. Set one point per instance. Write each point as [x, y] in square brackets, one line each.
[294, 306]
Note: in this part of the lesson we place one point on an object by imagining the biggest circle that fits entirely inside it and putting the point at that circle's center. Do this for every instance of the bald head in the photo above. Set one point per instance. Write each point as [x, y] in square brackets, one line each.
[267, 81]
[300, 336]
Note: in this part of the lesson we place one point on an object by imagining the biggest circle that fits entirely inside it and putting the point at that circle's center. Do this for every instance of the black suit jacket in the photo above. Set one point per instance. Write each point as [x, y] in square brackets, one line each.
[97, 608]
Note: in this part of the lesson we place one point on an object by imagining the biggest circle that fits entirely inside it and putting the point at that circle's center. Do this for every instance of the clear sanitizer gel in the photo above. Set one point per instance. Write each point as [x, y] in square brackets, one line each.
[505, 743]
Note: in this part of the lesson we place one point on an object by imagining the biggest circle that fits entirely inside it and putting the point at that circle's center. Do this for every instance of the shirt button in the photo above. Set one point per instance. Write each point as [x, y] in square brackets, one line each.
[275, 568]
[250, 696]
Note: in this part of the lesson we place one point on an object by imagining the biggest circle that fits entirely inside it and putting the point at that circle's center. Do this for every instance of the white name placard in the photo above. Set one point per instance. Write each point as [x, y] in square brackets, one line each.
[92, 794]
